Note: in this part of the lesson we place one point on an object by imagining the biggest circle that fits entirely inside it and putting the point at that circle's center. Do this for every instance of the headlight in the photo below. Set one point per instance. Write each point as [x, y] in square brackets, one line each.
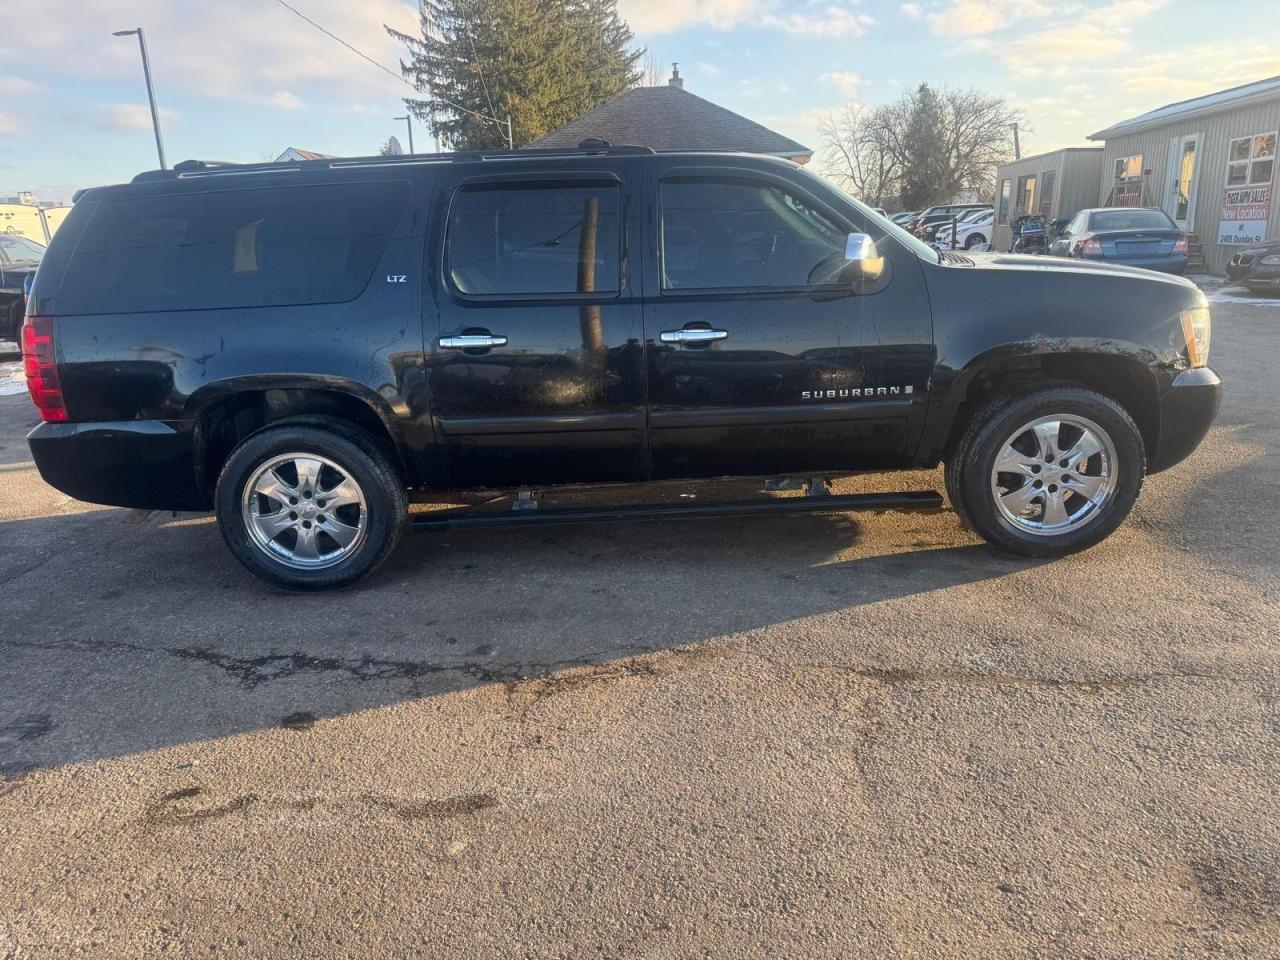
[1196, 329]
[1272, 261]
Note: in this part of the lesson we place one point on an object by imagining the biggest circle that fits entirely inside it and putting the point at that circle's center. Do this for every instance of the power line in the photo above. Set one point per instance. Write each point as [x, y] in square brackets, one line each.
[364, 56]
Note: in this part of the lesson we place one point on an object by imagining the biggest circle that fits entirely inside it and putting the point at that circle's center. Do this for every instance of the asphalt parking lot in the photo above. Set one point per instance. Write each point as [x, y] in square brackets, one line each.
[848, 736]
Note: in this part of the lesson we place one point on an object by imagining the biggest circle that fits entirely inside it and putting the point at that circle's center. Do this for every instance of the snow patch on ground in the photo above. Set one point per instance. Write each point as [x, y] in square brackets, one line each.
[12, 380]
[1224, 296]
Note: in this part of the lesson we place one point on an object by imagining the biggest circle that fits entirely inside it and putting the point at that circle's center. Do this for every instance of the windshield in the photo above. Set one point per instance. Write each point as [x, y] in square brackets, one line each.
[1130, 220]
[17, 249]
[887, 226]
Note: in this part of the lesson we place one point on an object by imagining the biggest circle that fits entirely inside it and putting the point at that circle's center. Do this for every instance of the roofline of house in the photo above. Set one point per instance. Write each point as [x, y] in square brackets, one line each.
[1136, 124]
[1050, 153]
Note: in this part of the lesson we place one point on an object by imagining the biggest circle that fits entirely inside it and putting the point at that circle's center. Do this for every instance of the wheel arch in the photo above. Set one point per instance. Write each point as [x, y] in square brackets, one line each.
[228, 411]
[1124, 373]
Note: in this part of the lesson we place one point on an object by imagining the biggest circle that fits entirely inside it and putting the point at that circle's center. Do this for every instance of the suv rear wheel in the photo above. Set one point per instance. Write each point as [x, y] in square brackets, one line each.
[310, 507]
[1047, 473]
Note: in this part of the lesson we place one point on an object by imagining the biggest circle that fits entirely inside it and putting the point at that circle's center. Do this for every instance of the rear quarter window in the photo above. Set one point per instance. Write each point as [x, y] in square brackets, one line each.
[271, 246]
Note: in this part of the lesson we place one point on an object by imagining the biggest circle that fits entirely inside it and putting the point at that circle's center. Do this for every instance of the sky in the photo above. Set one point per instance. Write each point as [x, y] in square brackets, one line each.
[241, 80]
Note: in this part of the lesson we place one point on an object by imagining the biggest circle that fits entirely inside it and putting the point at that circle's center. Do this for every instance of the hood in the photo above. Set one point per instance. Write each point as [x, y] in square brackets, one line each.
[1061, 265]
[1262, 249]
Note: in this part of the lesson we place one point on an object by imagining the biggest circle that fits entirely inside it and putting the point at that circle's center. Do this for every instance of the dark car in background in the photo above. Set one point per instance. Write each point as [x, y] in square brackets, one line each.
[19, 258]
[1133, 236]
[1258, 268]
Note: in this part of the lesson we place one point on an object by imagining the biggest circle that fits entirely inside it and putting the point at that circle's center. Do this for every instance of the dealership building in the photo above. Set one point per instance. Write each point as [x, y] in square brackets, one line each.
[1210, 163]
[1052, 185]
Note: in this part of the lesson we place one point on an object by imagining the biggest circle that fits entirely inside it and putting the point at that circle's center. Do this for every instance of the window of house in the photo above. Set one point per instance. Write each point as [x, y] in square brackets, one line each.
[1047, 181]
[1251, 160]
[728, 233]
[267, 246]
[523, 239]
[1006, 188]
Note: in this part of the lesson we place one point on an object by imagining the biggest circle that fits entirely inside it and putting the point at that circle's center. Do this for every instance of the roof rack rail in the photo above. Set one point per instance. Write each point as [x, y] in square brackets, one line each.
[592, 146]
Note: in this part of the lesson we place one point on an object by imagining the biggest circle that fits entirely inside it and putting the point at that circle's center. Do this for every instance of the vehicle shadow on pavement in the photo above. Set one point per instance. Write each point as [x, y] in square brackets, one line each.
[126, 632]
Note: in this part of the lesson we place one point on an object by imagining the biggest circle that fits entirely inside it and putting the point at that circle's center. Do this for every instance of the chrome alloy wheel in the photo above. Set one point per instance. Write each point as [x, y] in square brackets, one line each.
[1054, 475]
[304, 511]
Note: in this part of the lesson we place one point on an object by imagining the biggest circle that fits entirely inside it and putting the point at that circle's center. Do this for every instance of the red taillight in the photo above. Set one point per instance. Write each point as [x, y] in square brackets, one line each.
[1181, 245]
[42, 368]
[1091, 246]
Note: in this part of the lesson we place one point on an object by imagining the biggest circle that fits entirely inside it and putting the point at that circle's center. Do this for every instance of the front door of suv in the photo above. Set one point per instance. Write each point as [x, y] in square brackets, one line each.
[758, 363]
[536, 366]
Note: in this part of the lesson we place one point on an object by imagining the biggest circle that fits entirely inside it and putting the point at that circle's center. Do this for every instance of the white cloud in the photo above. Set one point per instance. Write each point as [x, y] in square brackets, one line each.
[9, 123]
[807, 19]
[831, 22]
[287, 100]
[1096, 34]
[15, 86]
[912, 11]
[845, 83]
[665, 16]
[973, 17]
[242, 50]
[129, 117]
[707, 69]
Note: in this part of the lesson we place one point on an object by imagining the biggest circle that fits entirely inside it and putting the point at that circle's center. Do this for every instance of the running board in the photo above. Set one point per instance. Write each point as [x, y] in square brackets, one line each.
[457, 519]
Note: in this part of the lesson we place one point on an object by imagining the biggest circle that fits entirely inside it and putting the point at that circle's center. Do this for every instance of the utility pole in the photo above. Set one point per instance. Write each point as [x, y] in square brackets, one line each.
[511, 142]
[1017, 150]
[408, 118]
[151, 93]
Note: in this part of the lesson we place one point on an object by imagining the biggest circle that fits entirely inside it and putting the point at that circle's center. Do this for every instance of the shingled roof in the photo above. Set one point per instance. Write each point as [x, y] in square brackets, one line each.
[671, 118]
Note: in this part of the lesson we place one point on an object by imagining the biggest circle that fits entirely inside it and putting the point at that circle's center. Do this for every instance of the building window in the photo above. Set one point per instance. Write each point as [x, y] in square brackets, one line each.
[1129, 168]
[1047, 182]
[1005, 189]
[1251, 160]
[1026, 195]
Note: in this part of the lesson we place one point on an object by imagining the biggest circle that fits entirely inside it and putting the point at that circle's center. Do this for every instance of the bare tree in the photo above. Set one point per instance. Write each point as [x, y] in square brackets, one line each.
[862, 154]
[923, 148]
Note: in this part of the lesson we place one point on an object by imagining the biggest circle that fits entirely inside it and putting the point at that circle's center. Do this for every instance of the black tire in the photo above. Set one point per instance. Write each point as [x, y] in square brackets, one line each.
[356, 454]
[969, 469]
[13, 322]
[973, 240]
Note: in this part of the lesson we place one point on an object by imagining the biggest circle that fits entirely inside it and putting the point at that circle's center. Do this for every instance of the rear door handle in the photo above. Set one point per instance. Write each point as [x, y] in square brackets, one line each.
[694, 335]
[472, 341]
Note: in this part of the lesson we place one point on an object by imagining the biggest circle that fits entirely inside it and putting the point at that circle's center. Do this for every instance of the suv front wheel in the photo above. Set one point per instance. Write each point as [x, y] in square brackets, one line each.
[1047, 473]
[309, 507]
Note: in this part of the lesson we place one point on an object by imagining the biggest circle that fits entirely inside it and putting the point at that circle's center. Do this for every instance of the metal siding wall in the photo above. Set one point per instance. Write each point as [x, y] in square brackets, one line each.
[1217, 131]
[1075, 182]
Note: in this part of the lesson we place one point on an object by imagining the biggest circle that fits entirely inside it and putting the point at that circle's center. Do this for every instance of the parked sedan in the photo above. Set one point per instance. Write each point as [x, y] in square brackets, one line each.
[972, 229]
[1133, 236]
[19, 258]
[1258, 267]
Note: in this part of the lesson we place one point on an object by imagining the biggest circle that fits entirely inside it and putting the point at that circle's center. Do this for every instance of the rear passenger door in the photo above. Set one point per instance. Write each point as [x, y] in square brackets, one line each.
[756, 365]
[535, 365]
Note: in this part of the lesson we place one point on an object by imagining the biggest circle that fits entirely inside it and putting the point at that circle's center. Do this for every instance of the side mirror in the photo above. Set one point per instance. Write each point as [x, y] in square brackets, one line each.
[862, 261]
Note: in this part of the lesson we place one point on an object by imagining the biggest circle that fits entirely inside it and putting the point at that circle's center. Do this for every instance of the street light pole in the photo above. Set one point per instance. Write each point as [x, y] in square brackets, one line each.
[1017, 150]
[408, 119]
[151, 93]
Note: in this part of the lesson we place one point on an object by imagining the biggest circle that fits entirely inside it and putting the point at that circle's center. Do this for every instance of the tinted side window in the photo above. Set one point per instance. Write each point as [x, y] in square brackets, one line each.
[729, 233]
[518, 239]
[237, 248]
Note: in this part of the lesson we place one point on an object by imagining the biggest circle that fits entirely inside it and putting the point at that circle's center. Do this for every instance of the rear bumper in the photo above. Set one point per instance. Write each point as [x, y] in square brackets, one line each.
[1188, 406]
[1168, 264]
[137, 463]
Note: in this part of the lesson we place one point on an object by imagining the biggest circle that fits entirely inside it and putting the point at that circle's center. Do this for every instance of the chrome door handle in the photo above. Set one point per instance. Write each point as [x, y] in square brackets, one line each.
[694, 335]
[472, 341]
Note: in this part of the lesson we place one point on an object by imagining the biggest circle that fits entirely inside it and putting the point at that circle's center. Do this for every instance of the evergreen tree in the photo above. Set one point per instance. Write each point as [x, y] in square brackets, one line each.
[539, 62]
[925, 175]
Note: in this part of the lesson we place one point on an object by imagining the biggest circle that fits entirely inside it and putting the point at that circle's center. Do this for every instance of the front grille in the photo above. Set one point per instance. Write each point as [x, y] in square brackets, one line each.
[1244, 259]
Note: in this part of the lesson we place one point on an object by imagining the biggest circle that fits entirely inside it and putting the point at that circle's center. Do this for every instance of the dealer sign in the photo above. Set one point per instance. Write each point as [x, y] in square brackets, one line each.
[1245, 211]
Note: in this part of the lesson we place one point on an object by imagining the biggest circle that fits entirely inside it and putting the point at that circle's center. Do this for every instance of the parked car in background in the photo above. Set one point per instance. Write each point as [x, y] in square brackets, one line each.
[927, 224]
[19, 258]
[1133, 236]
[971, 230]
[1258, 267]
[904, 216]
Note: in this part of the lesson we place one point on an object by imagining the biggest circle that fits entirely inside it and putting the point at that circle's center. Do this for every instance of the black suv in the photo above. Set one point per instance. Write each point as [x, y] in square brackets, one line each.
[301, 347]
